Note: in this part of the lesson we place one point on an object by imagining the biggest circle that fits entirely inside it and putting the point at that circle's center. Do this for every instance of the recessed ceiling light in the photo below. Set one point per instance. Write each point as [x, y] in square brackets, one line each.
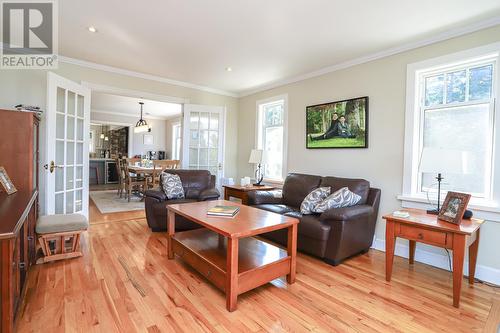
[229, 69]
[92, 29]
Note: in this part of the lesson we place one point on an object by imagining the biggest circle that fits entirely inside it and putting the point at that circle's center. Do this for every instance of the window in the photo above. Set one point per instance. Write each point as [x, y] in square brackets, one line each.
[451, 106]
[91, 141]
[272, 135]
[176, 141]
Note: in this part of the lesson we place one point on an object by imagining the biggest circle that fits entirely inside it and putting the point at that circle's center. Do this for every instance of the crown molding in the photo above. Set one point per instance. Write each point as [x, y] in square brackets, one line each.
[121, 71]
[379, 55]
[131, 116]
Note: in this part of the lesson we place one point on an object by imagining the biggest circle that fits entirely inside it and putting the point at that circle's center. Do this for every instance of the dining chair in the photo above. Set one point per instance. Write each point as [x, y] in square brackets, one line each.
[158, 167]
[121, 175]
[133, 182]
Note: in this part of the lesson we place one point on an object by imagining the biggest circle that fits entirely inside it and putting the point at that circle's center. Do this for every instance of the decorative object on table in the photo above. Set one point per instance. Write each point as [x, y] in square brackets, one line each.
[148, 139]
[171, 185]
[401, 213]
[447, 161]
[314, 198]
[6, 182]
[141, 126]
[256, 158]
[454, 207]
[343, 197]
[221, 210]
[342, 124]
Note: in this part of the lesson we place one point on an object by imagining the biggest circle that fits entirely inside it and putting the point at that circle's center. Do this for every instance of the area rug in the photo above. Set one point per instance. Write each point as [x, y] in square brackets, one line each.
[110, 202]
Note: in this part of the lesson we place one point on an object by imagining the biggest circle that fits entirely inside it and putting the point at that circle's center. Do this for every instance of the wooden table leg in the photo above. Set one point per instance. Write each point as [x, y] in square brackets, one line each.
[458, 266]
[232, 274]
[473, 258]
[413, 245]
[389, 249]
[226, 194]
[171, 232]
[292, 252]
[244, 198]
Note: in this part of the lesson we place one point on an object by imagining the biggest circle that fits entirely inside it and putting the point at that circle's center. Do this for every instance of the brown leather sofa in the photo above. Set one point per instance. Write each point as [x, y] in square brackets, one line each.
[334, 235]
[199, 185]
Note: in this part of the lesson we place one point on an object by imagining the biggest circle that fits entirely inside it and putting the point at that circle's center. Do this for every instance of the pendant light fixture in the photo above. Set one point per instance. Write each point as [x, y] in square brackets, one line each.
[141, 126]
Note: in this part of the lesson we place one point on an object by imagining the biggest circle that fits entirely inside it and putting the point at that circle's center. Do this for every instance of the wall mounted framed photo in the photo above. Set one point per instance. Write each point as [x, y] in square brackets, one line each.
[6, 182]
[454, 207]
[148, 139]
[342, 124]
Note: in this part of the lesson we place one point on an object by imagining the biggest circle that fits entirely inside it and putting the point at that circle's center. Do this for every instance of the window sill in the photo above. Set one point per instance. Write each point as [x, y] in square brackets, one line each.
[482, 209]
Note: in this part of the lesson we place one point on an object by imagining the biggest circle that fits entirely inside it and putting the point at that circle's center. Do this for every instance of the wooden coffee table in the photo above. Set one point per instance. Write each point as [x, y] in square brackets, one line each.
[225, 252]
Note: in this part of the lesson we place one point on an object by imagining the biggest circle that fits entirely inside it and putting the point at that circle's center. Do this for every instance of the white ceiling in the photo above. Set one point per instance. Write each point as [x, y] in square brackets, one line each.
[264, 41]
[129, 106]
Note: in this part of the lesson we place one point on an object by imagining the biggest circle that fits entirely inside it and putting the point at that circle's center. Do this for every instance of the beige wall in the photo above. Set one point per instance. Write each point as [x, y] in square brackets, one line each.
[384, 81]
[29, 87]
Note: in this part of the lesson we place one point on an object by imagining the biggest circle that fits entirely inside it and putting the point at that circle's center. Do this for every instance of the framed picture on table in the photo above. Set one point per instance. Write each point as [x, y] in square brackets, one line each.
[6, 182]
[454, 207]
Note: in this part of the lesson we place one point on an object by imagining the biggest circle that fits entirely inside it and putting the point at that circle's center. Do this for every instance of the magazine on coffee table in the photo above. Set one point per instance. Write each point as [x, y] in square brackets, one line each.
[220, 210]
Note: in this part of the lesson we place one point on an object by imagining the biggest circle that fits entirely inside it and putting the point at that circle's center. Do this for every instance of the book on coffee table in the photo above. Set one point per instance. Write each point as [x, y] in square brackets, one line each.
[220, 210]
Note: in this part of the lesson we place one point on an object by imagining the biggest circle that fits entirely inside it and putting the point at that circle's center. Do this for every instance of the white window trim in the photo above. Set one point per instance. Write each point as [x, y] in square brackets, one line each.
[258, 124]
[488, 209]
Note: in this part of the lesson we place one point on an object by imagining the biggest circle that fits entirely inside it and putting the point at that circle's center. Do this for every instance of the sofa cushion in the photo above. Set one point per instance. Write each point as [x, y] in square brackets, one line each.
[279, 209]
[314, 198]
[311, 226]
[172, 186]
[297, 187]
[338, 199]
[61, 223]
[359, 186]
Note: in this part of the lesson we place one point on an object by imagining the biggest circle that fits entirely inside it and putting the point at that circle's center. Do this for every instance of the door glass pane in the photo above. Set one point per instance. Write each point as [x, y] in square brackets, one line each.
[434, 90]
[70, 129]
[70, 157]
[69, 178]
[78, 200]
[213, 170]
[213, 157]
[60, 100]
[214, 139]
[79, 177]
[480, 80]
[193, 119]
[59, 126]
[59, 174]
[79, 129]
[195, 141]
[203, 139]
[60, 152]
[59, 203]
[203, 158]
[71, 102]
[79, 153]
[69, 202]
[193, 156]
[204, 120]
[79, 106]
[214, 121]
[455, 87]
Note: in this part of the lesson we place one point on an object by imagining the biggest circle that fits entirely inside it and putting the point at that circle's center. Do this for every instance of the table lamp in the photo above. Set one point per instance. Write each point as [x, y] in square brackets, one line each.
[256, 158]
[447, 161]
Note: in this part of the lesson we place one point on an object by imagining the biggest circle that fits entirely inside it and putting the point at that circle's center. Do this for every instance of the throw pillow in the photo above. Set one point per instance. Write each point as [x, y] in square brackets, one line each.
[172, 186]
[312, 199]
[340, 198]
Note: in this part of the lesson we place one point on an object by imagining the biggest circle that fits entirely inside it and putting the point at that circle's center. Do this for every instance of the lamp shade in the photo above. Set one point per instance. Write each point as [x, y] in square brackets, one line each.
[438, 160]
[255, 156]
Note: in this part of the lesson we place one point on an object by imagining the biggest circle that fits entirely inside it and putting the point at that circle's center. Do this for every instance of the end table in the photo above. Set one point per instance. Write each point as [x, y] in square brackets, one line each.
[241, 192]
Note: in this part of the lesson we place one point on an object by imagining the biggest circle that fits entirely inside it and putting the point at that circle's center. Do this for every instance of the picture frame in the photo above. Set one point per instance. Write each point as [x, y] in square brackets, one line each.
[325, 128]
[148, 139]
[454, 207]
[7, 184]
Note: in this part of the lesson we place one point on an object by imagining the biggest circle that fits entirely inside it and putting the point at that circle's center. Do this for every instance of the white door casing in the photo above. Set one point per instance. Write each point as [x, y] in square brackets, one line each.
[203, 138]
[67, 162]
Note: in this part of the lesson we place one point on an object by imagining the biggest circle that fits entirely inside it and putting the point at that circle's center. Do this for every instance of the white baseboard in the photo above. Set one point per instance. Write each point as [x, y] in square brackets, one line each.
[484, 273]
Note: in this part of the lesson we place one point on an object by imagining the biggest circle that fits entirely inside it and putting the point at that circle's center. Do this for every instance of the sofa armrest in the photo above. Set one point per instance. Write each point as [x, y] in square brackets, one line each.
[265, 197]
[209, 194]
[158, 195]
[347, 213]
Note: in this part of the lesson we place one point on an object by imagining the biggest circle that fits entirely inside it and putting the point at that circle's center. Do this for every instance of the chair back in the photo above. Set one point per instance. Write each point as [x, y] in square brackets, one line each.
[133, 160]
[161, 165]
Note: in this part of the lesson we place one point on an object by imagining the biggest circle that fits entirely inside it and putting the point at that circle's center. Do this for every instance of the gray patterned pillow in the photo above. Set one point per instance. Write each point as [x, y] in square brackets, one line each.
[312, 199]
[172, 186]
[338, 199]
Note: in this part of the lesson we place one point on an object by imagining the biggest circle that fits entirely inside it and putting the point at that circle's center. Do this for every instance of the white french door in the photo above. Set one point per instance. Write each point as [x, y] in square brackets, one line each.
[67, 131]
[203, 139]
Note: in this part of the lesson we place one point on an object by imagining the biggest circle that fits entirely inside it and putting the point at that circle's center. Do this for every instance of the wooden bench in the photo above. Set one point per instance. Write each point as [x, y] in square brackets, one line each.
[59, 236]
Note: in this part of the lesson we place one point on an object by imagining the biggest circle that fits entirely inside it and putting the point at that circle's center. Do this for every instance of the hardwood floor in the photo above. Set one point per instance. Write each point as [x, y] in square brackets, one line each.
[124, 283]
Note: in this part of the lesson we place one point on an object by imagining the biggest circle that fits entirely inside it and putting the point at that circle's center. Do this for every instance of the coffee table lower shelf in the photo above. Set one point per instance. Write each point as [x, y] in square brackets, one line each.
[258, 262]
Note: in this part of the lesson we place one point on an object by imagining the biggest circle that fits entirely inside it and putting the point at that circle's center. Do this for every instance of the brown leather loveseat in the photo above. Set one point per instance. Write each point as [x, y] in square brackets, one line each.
[199, 185]
[334, 235]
